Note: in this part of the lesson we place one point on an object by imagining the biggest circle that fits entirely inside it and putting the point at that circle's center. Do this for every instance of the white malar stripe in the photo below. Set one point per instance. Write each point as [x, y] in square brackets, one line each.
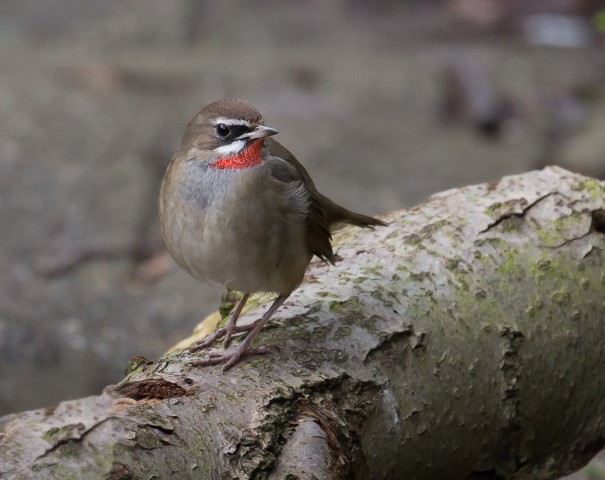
[231, 148]
[230, 121]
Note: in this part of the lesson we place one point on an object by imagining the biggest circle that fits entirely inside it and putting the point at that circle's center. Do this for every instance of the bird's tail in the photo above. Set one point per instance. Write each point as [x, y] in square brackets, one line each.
[338, 216]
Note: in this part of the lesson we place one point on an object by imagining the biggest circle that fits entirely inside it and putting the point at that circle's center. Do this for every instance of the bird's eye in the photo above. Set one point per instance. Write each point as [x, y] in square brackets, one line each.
[222, 130]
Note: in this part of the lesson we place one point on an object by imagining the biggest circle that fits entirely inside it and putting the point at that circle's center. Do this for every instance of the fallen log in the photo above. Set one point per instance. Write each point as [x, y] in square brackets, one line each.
[465, 340]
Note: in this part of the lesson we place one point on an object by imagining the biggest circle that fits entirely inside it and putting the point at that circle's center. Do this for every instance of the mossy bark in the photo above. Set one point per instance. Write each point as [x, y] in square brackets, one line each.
[465, 340]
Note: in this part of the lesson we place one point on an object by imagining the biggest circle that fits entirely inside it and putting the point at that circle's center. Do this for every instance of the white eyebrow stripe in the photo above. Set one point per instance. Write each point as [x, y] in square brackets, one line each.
[230, 148]
[230, 121]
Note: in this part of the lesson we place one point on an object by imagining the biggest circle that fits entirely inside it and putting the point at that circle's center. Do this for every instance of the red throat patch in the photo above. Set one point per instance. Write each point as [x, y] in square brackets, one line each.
[250, 156]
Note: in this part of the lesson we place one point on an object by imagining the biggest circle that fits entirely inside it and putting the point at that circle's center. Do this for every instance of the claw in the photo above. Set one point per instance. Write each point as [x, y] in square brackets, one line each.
[227, 340]
[226, 332]
[228, 359]
[243, 349]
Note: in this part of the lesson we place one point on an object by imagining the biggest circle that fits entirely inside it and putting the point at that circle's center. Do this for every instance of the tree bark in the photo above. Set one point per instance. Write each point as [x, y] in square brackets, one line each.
[465, 340]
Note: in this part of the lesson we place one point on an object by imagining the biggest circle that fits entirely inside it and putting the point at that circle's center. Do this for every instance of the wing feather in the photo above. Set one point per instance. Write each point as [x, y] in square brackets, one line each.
[285, 168]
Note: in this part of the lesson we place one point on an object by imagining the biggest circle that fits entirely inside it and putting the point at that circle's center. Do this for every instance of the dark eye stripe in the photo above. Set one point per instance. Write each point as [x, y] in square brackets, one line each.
[237, 130]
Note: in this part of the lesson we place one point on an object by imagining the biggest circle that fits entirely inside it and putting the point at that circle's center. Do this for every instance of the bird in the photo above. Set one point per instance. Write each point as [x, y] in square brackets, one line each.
[238, 209]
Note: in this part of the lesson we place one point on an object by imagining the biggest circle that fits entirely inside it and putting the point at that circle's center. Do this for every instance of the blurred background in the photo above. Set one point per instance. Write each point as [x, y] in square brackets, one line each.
[384, 101]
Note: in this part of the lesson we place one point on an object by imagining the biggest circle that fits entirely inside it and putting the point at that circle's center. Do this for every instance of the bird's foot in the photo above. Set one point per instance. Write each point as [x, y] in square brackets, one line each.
[243, 349]
[227, 331]
[229, 359]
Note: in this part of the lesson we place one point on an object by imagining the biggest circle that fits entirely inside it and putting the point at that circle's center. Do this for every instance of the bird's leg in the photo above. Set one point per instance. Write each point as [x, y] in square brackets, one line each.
[230, 328]
[225, 331]
[243, 349]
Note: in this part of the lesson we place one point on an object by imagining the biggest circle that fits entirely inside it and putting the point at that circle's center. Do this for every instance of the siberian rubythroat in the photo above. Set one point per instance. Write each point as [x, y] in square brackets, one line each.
[237, 208]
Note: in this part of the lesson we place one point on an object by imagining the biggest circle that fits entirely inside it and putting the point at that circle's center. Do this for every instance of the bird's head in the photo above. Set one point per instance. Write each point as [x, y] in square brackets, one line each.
[227, 130]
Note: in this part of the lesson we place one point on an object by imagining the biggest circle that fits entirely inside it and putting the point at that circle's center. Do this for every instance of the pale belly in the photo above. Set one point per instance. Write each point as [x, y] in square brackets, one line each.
[249, 238]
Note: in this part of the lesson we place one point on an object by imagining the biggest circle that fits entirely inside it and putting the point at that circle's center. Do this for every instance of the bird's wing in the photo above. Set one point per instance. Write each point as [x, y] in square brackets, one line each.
[285, 168]
[333, 214]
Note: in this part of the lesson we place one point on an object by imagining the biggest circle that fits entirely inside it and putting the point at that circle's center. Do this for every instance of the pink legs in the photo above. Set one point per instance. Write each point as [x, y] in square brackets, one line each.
[228, 330]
